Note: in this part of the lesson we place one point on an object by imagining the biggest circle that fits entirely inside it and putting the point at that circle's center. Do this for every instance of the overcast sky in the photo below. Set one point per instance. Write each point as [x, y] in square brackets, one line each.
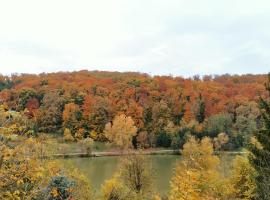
[177, 37]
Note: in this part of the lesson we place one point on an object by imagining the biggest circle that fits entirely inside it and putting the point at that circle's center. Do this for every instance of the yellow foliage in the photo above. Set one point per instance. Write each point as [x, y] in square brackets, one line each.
[83, 190]
[93, 135]
[24, 172]
[121, 131]
[196, 176]
[112, 189]
[242, 181]
[67, 135]
[21, 170]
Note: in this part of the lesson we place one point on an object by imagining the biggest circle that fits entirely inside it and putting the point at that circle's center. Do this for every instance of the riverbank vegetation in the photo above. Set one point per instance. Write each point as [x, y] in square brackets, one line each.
[47, 114]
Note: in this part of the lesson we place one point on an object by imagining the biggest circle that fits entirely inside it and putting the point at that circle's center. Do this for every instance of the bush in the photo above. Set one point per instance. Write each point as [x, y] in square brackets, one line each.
[60, 188]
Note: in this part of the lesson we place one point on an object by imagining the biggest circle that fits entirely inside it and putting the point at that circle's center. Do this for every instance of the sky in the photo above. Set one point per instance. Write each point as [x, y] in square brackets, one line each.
[159, 37]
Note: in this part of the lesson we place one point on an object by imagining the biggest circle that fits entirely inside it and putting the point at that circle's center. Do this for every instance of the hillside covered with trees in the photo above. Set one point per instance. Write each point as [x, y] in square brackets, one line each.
[165, 110]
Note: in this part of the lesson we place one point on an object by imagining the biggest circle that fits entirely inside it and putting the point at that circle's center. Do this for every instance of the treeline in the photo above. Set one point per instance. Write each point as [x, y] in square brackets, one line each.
[165, 110]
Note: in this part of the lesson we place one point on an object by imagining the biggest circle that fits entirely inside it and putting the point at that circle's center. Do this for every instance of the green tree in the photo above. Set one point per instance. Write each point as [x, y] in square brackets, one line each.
[199, 109]
[24, 96]
[246, 122]
[219, 123]
[260, 158]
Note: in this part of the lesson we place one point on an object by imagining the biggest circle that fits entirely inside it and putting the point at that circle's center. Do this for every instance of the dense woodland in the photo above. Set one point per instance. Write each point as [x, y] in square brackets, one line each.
[164, 109]
[195, 116]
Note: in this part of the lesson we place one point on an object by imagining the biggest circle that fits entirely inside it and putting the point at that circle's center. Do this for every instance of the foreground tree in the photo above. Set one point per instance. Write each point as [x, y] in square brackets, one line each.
[21, 171]
[242, 181]
[137, 174]
[25, 174]
[121, 131]
[260, 158]
[196, 176]
[112, 189]
[134, 180]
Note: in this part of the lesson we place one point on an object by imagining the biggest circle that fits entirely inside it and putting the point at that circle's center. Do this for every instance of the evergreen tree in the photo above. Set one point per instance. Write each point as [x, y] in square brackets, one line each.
[260, 158]
[200, 110]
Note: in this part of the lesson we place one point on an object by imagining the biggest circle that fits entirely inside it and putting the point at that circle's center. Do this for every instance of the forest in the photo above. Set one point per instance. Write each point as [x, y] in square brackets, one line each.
[42, 116]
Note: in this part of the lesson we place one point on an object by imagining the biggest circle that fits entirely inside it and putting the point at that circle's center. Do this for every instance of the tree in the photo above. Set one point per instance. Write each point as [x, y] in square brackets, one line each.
[25, 174]
[196, 176]
[25, 95]
[242, 180]
[219, 123]
[137, 175]
[67, 135]
[136, 112]
[161, 115]
[5, 83]
[142, 139]
[199, 109]
[260, 158]
[112, 189]
[12, 122]
[22, 171]
[247, 116]
[97, 112]
[71, 117]
[121, 131]
[134, 180]
[49, 117]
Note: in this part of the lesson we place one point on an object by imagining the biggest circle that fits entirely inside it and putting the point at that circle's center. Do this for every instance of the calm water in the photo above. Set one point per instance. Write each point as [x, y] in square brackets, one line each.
[99, 169]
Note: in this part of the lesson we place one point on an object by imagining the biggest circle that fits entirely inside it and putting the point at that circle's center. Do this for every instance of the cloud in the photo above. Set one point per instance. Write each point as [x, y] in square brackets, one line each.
[175, 37]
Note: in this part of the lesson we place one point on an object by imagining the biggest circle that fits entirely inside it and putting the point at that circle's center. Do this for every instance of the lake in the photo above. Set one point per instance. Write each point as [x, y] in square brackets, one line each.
[99, 169]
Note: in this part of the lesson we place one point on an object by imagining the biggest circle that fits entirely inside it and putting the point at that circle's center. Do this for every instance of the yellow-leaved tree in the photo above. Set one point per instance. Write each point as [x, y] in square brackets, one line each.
[113, 189]
[26, 174]
[242, 180]
[196, 177]
[121, 131]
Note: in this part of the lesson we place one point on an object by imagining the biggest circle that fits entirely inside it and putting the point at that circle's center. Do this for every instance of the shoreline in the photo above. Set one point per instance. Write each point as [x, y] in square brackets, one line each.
[136, 152]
